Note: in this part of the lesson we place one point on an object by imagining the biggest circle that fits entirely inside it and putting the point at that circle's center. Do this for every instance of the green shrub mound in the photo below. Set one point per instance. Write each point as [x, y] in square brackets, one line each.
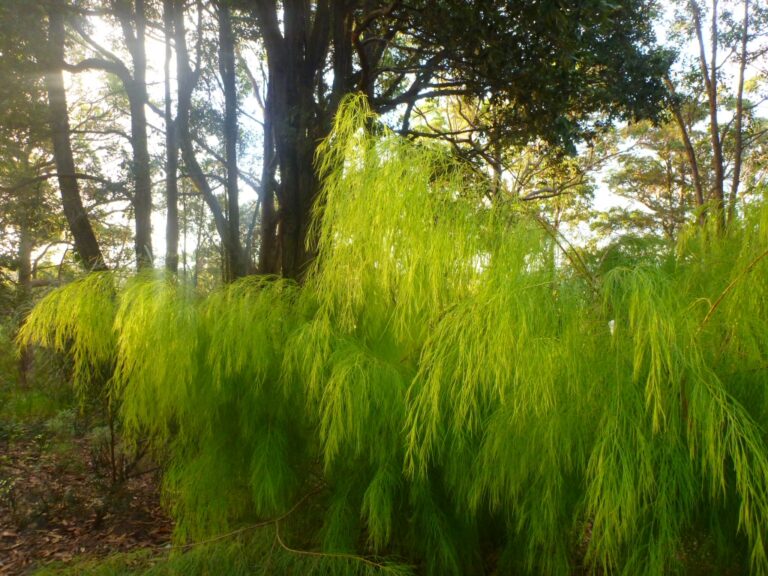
[446, 393]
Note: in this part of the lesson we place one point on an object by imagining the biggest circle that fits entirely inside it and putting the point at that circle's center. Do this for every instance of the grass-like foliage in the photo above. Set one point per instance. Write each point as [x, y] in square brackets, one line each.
[78, 319]
[444, 391]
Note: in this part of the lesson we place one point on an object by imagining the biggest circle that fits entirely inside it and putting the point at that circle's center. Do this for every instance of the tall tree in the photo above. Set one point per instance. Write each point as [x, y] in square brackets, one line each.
[709, 76]
[724, 42]
[235, 265]
[187, 78]
[86, 245]
[131, 18]
[171, 151]
[133, 23]
[599, 58]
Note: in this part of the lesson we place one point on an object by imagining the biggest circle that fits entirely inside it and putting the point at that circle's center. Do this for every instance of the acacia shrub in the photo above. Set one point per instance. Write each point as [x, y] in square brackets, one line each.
[439, 392]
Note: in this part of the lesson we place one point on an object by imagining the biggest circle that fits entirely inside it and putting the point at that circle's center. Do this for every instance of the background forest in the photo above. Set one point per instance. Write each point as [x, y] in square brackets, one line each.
[362, 287]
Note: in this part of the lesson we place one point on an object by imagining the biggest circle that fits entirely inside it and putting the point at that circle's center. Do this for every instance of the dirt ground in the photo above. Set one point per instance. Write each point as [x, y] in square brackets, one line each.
[57, 502]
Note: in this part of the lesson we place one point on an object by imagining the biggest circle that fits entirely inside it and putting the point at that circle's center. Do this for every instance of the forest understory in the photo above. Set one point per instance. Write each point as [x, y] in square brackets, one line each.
[58, 504]
[61, 515]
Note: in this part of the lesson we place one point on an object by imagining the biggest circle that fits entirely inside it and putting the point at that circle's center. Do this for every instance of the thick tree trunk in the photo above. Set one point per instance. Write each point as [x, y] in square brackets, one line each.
[296, 54]
[298, 186]
[268, 249]
[171, 153]
[142, 198]
[235, 265]
[86, 245]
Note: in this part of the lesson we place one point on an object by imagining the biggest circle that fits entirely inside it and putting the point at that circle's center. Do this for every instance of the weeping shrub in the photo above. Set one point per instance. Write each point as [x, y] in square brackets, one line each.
[440, 393]
[77, 319]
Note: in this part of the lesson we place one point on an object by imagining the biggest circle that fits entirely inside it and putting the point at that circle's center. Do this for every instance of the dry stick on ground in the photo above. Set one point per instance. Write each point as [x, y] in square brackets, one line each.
[279, 540]
[242, 529]
[335, 555]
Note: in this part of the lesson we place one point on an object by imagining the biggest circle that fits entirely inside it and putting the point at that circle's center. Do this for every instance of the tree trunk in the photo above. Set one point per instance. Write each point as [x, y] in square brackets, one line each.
[86, 246]
[26, 245]
[235, 262]
[709, 75]
[187, 78]
[137, 98]
[296, 54]
[690, 152]
[268, 249]
[171, 153]
[738, 144]
[298, 185]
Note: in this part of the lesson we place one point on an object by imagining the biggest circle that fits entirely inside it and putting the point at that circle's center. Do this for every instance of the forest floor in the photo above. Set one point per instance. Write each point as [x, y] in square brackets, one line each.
[57, 502]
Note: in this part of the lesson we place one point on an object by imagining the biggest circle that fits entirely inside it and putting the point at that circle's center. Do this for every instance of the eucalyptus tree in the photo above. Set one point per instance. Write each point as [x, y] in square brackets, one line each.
[171, 149]
[36, 117]
[728, 37]
[60, 133]
[25, 195]
[30, 213]
[195, 118]
[131, 17]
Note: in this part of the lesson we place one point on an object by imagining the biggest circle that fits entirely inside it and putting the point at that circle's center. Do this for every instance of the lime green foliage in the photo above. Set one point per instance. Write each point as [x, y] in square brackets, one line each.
[77, 319]
[441, 391]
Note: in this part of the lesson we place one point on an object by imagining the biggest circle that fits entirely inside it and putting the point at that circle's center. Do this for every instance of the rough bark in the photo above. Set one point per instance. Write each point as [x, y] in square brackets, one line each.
[295, 56]
[86, 246]
[300, 38]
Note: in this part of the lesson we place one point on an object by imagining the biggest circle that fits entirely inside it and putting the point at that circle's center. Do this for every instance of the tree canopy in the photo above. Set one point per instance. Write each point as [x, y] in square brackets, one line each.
[552, 72]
